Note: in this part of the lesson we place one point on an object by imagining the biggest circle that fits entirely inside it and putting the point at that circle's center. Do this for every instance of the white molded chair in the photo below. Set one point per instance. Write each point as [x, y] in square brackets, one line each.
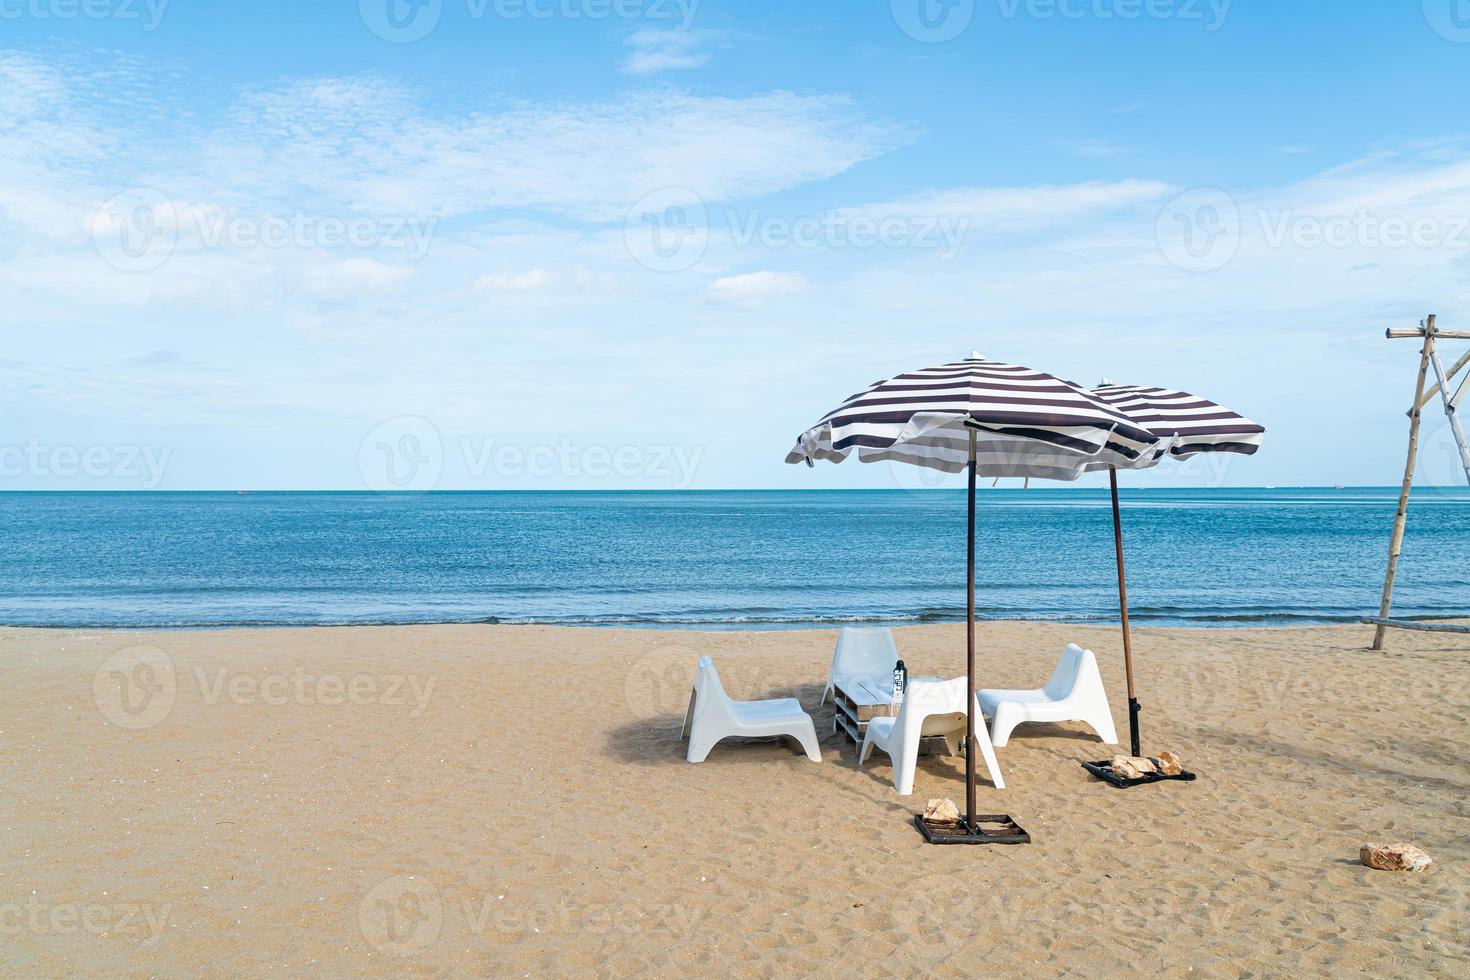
[863, 651]
[1074, 693]
[929, 708]
[713, 715]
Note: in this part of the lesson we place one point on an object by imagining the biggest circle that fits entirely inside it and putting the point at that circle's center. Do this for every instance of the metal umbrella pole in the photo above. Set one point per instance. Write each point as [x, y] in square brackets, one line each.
[970, 705]
[1133, 706]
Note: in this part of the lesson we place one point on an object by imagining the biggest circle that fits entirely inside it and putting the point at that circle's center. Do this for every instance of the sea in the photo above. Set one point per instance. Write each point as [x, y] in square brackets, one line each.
[721, 560]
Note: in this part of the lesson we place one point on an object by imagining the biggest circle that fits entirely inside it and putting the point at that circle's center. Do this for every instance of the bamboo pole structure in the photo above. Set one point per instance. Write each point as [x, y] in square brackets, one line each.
[1430, 395]
[1450, 407]
[1400, 518]
[1422, 627]
[1401, 333]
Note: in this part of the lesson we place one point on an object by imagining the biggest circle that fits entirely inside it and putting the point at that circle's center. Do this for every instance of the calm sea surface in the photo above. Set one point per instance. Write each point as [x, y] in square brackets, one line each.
[737, 559]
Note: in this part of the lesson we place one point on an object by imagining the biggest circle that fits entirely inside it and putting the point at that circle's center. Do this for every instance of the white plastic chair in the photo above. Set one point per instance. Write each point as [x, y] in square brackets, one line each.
[713, 715]
[929, 708]
[1074, 693]
[863, 651]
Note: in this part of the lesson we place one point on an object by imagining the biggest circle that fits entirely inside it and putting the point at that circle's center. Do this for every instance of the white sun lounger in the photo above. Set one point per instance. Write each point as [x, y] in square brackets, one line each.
[863, 651]
[1074, 693]
[929, 708]
[713, 715]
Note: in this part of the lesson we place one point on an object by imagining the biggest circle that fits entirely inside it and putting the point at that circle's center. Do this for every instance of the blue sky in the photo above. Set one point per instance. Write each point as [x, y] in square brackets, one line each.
[643, 243]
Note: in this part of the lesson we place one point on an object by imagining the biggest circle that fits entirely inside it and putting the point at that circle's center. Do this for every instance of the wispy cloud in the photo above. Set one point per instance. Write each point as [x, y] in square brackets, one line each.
[653, 51]
[754, 288]
[524, 282]
[1023, 209]
[369, 146]
[530, 265]
[1094, 148]
[365, 146]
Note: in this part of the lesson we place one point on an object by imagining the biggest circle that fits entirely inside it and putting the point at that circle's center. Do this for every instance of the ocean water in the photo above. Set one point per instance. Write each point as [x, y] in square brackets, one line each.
[723, 559]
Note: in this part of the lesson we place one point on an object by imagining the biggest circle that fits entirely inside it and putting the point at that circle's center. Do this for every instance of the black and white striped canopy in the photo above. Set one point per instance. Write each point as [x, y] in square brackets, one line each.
[1028, 424]
[1185, 424]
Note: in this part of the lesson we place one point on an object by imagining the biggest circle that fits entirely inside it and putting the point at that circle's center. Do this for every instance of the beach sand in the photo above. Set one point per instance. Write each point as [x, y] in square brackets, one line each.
[473, 800]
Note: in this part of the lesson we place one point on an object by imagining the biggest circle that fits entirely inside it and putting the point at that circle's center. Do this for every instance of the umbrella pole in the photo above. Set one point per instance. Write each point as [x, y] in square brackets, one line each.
[1133, 706]
[970, 705]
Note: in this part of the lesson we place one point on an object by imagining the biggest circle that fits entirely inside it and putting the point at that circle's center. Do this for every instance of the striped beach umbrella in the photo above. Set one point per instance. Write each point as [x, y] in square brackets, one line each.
[987, 417]
[1185, 425]
[1189, 424]
[1023, 423]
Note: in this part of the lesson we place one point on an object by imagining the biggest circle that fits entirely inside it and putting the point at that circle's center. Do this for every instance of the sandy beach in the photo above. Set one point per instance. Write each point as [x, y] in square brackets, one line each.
[468, 800]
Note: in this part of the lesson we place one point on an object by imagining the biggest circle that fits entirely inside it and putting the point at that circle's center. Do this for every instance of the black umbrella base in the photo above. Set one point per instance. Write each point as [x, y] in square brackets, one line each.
[987, 829]
[1104, 771]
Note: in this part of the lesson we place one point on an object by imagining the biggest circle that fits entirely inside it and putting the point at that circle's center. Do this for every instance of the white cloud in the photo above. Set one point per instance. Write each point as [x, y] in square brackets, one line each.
[1018, 209]
[365, 145]
[352, 278]
[530, 268]
[755, 288]
[1094, 148]
[525, 282]
[655, 51]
